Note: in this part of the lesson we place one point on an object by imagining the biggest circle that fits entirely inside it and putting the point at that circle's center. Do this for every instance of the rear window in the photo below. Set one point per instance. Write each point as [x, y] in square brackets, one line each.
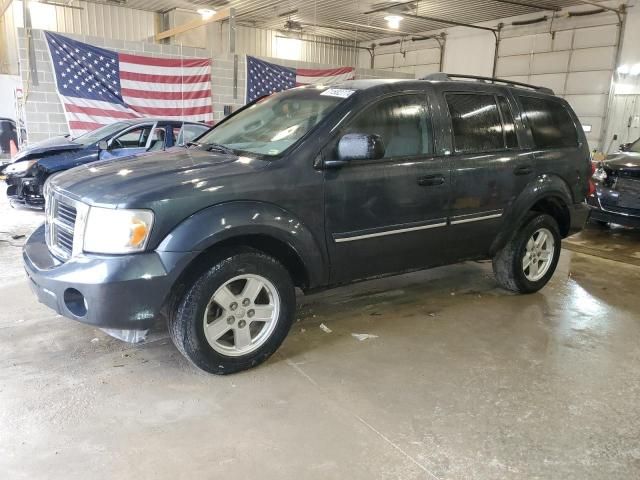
[477, 123]
[550, 123]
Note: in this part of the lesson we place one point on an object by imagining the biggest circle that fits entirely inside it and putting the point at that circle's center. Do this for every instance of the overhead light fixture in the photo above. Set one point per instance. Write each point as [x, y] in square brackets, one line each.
[205, 13]
[393, 21]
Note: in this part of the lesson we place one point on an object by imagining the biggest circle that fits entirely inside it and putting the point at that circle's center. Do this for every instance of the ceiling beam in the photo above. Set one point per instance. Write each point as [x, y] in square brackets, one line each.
[599, 5]
[368, 27]
[413, 3]
[530, 5]
[441, 20]
[199, 22]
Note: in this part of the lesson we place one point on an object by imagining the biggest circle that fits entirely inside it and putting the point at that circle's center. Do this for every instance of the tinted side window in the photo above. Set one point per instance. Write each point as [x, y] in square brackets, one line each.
[550, 123]
[510, 137]
[133, 138]
[401, 122]
[476, 122]
[189, 132]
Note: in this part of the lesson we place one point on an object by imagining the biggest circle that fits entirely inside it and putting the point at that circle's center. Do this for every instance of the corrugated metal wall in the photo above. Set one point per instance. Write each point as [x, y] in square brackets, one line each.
[268, 43]
[94, 19]
[100, 20]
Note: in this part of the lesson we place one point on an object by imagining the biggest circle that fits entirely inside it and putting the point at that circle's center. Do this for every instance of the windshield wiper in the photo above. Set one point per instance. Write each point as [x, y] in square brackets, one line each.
[193, 144]
[218, 147]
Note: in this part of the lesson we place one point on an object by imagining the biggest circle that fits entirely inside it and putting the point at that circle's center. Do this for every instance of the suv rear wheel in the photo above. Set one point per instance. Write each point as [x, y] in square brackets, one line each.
[527, 262]
[236, 314]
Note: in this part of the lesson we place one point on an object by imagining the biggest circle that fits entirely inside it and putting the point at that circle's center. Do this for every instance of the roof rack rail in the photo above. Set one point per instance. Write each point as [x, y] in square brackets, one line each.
[444, 77]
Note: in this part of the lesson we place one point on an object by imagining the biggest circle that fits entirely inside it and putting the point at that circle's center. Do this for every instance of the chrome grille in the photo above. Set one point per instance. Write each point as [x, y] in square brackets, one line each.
[60, 224]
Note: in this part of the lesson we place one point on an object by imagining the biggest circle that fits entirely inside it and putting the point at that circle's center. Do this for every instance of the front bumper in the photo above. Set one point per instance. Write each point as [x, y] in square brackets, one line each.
[24, 191]
[109, 291]
[627, 217]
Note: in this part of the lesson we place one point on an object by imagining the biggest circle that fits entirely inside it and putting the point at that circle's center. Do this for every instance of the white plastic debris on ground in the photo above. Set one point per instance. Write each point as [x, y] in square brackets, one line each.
[363, 336]
[325, 329]
[130, 336]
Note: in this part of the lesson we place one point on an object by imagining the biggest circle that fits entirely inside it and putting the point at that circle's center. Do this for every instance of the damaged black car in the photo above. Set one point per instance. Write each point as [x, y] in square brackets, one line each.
[30, 169]
[617, 195]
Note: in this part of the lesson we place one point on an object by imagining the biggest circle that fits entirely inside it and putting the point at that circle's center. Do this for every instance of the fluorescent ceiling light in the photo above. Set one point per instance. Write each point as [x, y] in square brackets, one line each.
[393, 21]
[206, 13]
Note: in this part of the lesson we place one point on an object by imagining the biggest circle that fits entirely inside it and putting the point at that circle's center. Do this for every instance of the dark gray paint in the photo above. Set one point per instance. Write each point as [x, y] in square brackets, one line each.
[201, 198]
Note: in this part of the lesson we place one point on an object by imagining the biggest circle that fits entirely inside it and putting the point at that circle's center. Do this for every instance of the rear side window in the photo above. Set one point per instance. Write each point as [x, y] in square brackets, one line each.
[550, 123]
[476, 122]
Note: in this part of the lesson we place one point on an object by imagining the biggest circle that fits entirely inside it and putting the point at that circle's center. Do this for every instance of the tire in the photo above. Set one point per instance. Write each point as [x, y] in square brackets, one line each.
[215, 293]
[509, 263]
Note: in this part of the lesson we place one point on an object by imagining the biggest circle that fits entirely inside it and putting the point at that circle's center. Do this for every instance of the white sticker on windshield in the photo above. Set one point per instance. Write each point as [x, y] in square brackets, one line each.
[338, 92]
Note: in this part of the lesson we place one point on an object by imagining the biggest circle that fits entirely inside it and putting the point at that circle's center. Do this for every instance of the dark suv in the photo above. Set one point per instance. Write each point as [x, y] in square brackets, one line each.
[311, 188]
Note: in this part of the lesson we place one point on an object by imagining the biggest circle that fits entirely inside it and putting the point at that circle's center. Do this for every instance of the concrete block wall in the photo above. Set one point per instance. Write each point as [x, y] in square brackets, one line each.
[44, 112]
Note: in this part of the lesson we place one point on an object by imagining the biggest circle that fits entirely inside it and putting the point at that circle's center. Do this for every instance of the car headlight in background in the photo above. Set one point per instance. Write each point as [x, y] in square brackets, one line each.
[599, 173]
[115, 231]
[19, 167]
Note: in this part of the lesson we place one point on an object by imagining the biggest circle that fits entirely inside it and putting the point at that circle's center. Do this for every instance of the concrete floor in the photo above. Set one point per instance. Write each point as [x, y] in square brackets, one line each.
[462, 381]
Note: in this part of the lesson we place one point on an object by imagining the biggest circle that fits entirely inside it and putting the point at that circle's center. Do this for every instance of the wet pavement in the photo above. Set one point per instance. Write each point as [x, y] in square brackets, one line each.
[458, 379]
[612, 242]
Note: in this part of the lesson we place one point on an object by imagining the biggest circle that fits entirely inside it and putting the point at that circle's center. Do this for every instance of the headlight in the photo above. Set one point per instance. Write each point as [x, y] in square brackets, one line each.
[20, 167]
[117, 231]
[600, 175]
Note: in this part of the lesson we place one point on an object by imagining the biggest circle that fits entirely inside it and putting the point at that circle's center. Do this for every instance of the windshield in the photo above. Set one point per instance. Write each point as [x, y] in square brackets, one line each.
[273, 124]
[635, 146]
[101, 133]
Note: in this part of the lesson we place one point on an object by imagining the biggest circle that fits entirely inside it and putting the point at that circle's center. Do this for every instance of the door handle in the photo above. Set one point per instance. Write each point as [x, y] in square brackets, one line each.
[431, 180]
[523, 170]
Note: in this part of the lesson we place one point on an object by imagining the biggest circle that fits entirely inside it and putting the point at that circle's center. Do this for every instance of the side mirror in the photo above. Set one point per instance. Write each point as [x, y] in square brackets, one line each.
[103, 145]
[358, 146]
[625, 147]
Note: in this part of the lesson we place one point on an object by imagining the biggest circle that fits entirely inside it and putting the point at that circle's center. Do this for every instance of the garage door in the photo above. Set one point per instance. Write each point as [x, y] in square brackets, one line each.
[577, 64]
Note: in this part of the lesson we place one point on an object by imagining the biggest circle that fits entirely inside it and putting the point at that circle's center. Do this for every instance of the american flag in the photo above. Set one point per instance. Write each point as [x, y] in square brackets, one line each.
[264, 78]
[99, 86]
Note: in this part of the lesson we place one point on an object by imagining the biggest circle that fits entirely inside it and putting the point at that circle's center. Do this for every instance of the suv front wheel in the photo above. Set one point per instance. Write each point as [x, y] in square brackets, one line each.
[527, 262]
[236, 314]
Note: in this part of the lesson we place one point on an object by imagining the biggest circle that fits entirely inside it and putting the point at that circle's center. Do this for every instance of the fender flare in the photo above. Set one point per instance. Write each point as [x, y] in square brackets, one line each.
[228, 220]
[543, 186]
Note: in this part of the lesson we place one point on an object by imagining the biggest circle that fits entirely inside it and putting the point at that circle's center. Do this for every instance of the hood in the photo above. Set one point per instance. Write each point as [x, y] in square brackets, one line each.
[626, 161]
[47, 147]
[190, 176]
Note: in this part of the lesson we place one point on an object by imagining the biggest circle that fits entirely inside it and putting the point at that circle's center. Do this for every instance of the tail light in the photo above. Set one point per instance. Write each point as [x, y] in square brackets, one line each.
[592, 185]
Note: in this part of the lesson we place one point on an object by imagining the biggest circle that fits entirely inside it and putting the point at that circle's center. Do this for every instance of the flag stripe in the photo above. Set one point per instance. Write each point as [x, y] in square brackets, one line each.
[164, 95]
[167, 87]
[135, 68]
[82, 127]
[99, 111]
[134, 103]
[145, 77]
[164, 62]
[324, 72]
[175, 112]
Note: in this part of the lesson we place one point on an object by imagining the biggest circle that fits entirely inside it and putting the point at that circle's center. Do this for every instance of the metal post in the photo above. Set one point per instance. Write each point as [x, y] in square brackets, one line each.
[622, 23]
[232, 49]
[31, 52]
[442, 42]
[495, 53]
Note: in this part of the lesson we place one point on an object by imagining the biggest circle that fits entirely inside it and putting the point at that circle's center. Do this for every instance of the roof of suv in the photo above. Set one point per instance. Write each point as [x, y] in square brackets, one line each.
[441, 78]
